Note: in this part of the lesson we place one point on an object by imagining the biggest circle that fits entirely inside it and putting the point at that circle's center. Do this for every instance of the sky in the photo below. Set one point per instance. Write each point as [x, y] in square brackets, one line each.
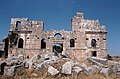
[57, 15]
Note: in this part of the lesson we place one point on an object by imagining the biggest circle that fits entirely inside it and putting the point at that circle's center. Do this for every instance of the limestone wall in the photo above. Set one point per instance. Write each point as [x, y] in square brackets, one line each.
[83, 32]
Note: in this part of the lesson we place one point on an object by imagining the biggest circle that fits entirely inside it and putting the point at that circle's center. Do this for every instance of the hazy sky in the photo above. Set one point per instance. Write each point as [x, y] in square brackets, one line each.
[57, 14]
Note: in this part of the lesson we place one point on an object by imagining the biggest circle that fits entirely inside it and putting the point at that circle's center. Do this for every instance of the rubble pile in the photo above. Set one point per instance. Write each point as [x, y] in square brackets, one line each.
[69, 67]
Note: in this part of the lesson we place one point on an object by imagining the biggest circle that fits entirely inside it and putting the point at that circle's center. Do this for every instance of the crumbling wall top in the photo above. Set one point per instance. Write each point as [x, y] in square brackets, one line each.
[19, 19]
[81, 24]
[79, 15]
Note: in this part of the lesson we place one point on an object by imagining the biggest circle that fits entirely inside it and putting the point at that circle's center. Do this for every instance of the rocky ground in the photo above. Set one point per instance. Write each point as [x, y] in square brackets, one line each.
[49, 66]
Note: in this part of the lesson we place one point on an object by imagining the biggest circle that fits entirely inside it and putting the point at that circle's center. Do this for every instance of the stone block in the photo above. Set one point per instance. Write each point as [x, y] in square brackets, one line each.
[77, 69]
[67, 67]
[52, 71]
[9, 71]
[105, 71]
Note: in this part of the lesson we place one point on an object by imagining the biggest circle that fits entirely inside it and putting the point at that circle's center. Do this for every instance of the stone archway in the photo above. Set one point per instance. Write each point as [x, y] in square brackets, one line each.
[18, 24]
[20, 43]
[72, 43]
[57, 48]
[6, 47]
[2, 66]
[43, 44]
[93, 43]
[57, 35]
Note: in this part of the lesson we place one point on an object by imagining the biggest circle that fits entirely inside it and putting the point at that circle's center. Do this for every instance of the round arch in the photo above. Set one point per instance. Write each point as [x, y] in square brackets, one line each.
[93, 43]
[58, 35]
[20, 43]
[43, 43]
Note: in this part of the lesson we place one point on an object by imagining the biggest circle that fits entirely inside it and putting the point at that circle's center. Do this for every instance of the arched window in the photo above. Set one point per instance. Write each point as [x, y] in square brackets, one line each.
[43, 44]
[2, 66]
[20, 43]
[18, 24]
[57, 35]
[6, 46]
[93, 43]
[72, 43]
[94, 53]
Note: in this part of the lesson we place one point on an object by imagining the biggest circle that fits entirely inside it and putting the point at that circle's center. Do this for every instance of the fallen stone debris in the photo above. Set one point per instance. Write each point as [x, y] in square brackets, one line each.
[52, 71]
[55, 52]
[70, 66]
[67, 67]
[105, 71]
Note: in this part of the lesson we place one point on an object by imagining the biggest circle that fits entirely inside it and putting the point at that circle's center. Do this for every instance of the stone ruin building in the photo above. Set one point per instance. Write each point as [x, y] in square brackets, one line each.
[87, 38]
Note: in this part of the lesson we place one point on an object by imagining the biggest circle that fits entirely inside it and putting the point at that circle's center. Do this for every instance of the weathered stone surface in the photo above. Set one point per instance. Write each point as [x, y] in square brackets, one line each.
[29, 64]
[47, 63]
[77, 69]
[97, 62]
[100, 60]
[38, 66]
[105, 71]
[83, 66]
[34, 74]
[33, 58]
[67, 67]
[54, 58]
[20, 58]
[92, 69]
[13, 62]
[52, 71]
[116, 68]
[9, 71]
[66, 55]
[45, 56]
[74, 42]
[26, 64]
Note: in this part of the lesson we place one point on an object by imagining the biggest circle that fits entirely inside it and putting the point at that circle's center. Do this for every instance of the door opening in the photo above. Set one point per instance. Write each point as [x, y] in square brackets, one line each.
[57, 48]
[94, 53]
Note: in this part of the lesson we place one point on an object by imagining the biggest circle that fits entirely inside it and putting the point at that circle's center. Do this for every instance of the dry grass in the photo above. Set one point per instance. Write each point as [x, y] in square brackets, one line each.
[116, 59]
[42, 73]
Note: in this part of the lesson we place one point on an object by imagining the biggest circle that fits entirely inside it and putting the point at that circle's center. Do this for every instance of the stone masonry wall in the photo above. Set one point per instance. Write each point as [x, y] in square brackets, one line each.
[87, 36]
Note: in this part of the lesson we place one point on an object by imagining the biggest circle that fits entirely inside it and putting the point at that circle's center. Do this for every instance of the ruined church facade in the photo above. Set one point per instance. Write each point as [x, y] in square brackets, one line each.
[87, 38]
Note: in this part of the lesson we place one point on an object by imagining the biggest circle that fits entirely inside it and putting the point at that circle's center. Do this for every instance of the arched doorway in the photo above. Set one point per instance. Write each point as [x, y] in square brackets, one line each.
[57, 48]
[72, 43]
[2, 66]
[6, 47]
[20, 43]
[43, 44]
[93, 43]
[18, 24]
